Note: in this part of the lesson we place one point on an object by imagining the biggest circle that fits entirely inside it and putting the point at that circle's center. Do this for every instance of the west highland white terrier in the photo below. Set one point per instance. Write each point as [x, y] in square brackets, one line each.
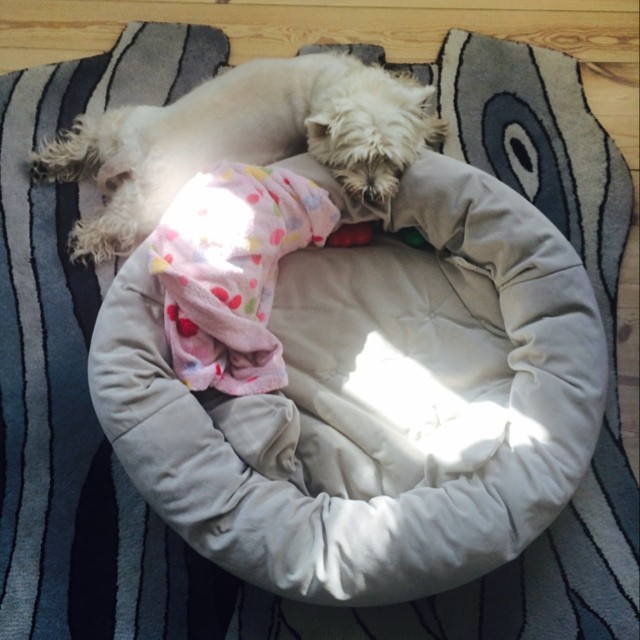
[364, 123]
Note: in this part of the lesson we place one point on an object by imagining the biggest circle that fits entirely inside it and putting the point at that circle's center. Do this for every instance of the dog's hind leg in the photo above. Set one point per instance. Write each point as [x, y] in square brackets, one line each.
[71, 155]
[101, 238]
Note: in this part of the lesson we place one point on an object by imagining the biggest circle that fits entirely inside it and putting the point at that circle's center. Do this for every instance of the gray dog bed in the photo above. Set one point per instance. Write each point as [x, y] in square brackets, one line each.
[450, 401]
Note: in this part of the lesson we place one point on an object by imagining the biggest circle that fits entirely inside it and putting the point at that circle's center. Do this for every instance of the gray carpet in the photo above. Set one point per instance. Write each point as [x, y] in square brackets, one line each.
[82, 556]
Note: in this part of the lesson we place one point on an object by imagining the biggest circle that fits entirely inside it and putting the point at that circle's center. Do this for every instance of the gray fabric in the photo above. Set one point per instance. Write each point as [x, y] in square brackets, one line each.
[486, 480]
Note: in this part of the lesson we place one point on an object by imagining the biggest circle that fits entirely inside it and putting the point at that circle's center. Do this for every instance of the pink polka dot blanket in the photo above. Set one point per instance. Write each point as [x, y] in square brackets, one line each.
[216, 251]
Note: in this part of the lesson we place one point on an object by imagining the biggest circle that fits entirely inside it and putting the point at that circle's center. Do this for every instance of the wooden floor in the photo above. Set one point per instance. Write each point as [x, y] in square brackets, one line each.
[602, 34]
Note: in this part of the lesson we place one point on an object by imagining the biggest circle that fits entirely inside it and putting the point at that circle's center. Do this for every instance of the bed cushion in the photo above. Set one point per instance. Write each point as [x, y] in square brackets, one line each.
[447, 401]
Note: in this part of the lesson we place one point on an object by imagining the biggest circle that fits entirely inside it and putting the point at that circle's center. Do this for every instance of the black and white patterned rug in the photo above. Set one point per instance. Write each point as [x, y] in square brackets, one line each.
[82, 556]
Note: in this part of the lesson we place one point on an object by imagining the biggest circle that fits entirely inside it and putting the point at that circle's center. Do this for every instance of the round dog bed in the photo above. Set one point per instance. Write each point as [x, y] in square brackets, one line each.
[443, 403]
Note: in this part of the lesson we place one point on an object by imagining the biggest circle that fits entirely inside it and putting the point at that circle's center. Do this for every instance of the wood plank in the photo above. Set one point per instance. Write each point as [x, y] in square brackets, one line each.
[406, 34]
[611, 88]
[624, 74]
[628, 6]
[46, 42]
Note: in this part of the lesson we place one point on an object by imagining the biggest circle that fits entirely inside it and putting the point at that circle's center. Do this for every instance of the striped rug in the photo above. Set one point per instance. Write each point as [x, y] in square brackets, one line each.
[82, 556]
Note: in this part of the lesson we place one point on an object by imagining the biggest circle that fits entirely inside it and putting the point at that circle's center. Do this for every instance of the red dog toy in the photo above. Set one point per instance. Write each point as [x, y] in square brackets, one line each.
[351, 235]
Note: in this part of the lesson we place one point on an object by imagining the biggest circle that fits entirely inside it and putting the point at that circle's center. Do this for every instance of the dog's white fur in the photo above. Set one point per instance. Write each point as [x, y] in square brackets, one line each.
[365, 124]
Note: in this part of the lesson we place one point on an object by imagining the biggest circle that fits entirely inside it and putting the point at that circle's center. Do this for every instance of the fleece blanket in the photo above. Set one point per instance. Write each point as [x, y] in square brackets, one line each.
[217, 251]
[81, 555]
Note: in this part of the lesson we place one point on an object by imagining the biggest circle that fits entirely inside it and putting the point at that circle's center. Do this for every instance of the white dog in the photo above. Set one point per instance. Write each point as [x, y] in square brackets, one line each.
[363, 123]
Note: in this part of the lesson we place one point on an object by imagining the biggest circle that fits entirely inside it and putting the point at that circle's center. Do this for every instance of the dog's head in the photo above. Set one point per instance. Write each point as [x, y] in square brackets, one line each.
[371, 129]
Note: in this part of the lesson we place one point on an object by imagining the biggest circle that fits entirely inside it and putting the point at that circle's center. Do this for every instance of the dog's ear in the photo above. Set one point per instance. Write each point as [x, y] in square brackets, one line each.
[318, 126]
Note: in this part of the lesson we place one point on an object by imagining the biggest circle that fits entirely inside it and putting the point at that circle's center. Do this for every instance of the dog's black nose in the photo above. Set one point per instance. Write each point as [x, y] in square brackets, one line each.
[370, 194]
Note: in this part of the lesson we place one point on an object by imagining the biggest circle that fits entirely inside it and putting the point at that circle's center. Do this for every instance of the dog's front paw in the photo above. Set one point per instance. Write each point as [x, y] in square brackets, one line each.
[43, 172]
[44, 169]
[39, 170]
[69, 156]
